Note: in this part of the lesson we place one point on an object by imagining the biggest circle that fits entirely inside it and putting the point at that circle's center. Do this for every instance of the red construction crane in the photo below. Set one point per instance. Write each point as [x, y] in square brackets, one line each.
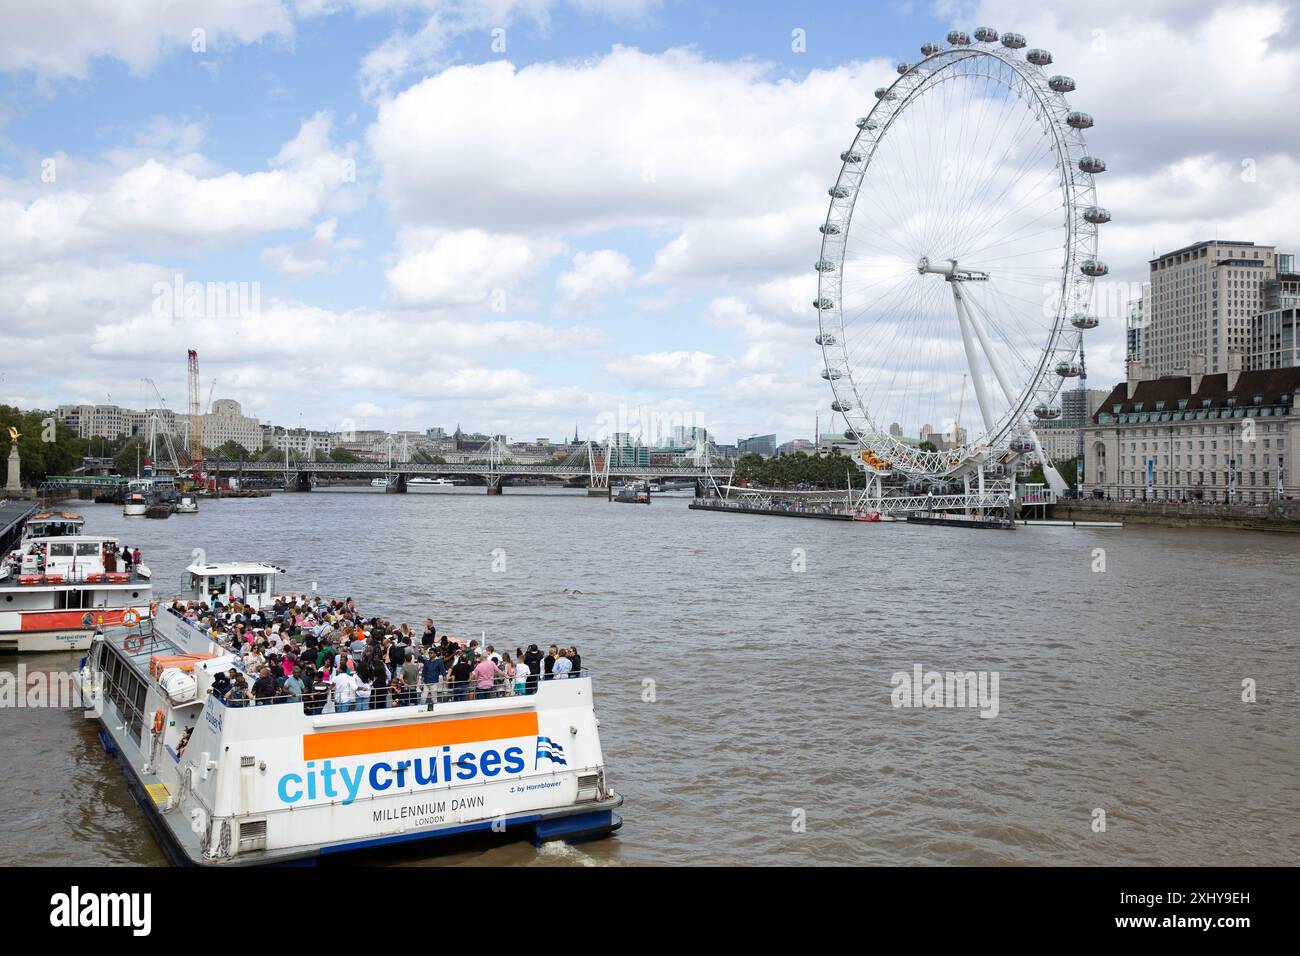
[196, 421]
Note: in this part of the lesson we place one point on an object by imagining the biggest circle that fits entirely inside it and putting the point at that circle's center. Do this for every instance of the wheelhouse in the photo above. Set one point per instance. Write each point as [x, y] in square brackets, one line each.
[209, 583]
[53, 524]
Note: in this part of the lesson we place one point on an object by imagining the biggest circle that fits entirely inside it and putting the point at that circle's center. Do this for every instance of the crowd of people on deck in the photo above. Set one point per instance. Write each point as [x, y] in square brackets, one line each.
[327, 655]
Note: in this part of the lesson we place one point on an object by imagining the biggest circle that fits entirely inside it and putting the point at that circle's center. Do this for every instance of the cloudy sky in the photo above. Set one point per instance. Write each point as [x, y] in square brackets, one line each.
[522, 215]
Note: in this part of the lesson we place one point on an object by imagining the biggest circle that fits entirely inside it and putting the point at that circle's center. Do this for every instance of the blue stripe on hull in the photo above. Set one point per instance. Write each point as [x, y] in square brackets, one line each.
[584, 826]
[478, 827]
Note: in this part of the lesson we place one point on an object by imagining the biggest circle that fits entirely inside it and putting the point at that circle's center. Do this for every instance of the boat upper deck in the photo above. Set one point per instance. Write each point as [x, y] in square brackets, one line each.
[148, 650]
[70, 560]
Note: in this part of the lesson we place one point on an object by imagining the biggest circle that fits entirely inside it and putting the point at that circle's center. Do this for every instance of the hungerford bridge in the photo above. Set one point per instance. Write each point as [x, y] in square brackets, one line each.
[710, 472]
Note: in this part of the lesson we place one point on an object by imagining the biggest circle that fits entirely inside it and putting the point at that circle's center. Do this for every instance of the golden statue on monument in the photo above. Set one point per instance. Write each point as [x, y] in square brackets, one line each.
[13, 434]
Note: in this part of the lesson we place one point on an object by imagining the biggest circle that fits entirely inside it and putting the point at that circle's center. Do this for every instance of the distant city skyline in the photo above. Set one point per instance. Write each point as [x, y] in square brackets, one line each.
[278, 199]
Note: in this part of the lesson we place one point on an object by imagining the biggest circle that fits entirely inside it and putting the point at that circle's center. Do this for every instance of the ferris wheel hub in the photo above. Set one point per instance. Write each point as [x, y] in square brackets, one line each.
[950, 272]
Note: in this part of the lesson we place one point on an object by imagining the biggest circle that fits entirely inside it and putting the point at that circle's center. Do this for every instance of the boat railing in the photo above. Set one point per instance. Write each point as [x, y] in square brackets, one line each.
[82, 576]
[322, 699]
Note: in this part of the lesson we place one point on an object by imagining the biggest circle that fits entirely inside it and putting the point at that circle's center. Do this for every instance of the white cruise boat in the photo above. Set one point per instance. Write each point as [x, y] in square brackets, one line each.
[434, 482]
[281, 782]
[56, 589]
[378, 482]
[136, 503]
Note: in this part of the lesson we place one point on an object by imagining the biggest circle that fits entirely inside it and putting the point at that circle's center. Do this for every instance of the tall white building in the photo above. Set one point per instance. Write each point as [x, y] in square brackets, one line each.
[97, 421]
[1202, 300]
[1136, 325]
[299, 441]
[227, 422]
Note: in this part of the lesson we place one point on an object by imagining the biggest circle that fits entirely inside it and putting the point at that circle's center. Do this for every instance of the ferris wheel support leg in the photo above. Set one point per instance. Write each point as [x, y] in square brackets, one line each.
[1053, 477]
[972, 360]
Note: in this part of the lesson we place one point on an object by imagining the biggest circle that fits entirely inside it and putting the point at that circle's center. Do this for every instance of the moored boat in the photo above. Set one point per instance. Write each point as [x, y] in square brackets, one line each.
[55, 591]
[635, 493]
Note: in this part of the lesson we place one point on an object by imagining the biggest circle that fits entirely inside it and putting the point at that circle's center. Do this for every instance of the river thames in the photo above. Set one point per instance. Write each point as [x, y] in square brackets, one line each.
[742, 668]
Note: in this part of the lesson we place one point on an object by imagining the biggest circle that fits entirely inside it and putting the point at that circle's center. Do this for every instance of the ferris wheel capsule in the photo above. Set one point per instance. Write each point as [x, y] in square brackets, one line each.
[884, 93]
[1021, 445]
[1094, 268]
[1039, 57]
[1061, 84]
[831, 374]
[1091, 164]
[1069, 369]
[1084, 322]
[1096, 215]
[829, 229]
[1013, 41]
[848, 156]
[1047, 413]
[866, 122]
[841, 406]
[986, 35]
[824, 265]
[930, 49]
[958, 38]
[839, 192]
[1077, 120]
[903, 68]
[822, 304]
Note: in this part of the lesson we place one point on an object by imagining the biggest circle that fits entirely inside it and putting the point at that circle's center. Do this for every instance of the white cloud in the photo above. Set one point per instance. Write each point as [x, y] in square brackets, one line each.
[312, 256]
[594, 276]
[161, 205]
[468, 267]
[62, 39]
[627, 139]
[681, 369]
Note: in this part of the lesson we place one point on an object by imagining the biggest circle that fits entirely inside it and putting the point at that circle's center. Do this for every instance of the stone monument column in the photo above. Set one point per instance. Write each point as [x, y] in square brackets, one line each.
[12, 485]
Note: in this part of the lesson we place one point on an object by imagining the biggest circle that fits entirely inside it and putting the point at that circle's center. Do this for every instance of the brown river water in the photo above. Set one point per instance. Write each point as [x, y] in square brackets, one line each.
[771, 737]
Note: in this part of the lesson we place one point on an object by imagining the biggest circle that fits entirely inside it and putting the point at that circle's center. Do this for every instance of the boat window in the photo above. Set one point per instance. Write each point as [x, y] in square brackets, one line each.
[87, 549]
[60, 550]
[256, 583]
[217, 583]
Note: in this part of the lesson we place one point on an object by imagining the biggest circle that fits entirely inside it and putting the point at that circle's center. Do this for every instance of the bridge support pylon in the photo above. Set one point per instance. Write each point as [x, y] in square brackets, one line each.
[494, 485]
[298, 481]
[396, 485]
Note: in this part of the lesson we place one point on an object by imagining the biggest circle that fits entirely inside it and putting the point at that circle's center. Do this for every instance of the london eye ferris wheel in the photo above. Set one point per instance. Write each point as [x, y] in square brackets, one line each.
[958, 258]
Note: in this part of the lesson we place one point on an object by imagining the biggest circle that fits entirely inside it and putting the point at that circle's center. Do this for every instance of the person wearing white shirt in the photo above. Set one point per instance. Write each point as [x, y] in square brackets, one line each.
[345, 691]
[236, 591]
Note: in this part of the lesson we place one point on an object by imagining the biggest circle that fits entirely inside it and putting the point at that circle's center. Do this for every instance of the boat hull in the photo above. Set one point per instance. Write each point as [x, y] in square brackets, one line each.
[572, 825]
[325, 783]
[36, 631]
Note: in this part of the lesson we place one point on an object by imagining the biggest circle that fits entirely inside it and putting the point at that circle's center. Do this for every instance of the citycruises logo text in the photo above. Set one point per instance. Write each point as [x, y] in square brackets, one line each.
[331, 781]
